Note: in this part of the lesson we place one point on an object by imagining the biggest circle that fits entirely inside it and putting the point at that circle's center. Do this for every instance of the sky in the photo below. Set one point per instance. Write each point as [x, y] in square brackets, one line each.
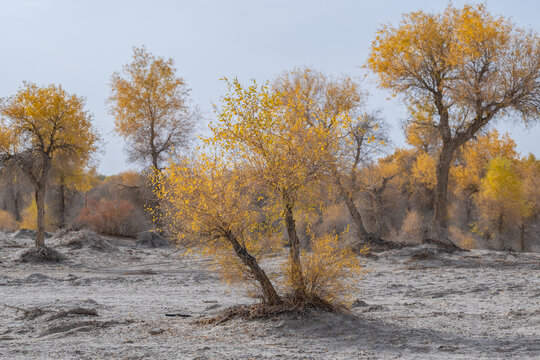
[79, 44]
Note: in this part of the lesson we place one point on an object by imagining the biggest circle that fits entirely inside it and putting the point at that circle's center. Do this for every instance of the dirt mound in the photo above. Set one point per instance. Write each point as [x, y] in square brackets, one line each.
[28, 234]
[152, 240]
[424, 254]
[446, 246]
[376, 244]
[40, 254]
[291, 305]
[86, 239]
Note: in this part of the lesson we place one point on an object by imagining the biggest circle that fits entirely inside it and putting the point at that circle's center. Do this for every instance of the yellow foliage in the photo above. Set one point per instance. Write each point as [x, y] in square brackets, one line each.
[529, 169]
[47, 119]
[29, 218]
[501, 197]
[421, 132]
[424, 170]
[128, 178]
[475, 157]
[7, 221]
[463, 65]
[150, 107]
[327, 269]
[265, 157]
[203, 202]
[45, 128]
[452, 40]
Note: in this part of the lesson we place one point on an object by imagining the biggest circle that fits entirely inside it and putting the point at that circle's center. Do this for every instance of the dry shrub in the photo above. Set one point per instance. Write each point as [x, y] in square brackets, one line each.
[465, 240]
[412, 229]
[7, 221]
[109, 217]
[335, 219]
[326, 269]
[29, 218]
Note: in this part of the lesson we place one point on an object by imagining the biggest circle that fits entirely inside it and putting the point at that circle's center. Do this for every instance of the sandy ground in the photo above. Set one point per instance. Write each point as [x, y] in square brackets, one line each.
[474, 305]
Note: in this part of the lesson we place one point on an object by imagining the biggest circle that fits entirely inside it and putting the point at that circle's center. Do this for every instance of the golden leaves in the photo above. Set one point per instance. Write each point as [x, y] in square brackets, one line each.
[49, 120]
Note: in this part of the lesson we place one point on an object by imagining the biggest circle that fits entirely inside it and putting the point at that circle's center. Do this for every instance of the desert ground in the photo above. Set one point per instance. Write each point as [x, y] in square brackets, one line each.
[110, 297]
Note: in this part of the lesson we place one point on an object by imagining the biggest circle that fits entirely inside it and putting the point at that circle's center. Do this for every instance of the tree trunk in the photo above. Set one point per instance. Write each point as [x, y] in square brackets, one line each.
[522, 236]
[40, 204]
[62, 205]
[294, 253]
[361, 231]
[271, 297]
[16, 208]
[500, 227]
[439, 222]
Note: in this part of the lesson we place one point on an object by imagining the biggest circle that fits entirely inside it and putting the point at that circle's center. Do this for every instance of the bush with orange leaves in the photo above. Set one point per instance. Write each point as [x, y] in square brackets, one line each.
[109, 217]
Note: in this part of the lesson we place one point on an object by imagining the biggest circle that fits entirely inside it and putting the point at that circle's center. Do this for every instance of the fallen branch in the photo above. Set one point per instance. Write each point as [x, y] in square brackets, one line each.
[179, 315]
[28, 313]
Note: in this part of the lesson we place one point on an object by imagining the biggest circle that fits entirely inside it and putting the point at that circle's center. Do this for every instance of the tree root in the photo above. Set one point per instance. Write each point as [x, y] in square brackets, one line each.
[291, 305]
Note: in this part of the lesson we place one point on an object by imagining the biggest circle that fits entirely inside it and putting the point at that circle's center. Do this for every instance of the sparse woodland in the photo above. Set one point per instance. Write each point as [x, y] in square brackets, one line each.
[298, 163]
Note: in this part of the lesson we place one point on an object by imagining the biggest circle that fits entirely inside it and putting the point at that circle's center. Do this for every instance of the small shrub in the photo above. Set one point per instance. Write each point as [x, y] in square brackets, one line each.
[335, 219]
[326, 270]
[463, 239]
[412, 229]
[110, 217]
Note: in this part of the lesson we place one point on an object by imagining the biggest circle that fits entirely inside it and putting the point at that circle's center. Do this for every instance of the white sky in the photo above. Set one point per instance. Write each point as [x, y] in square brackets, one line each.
[79, 44]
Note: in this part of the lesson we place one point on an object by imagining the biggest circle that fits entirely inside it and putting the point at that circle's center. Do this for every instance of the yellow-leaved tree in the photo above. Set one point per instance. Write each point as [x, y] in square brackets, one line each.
[211, 206]
[470, 67]
[72, 173]
[150, 105]
[501, 199]
[472, 164]
[39, 125]
[284, 150]
[351, 136]
[265, 161]
[529, 169]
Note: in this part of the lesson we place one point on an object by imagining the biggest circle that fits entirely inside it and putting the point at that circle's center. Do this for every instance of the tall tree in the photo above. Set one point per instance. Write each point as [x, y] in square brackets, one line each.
[71, 174]
[352, 135]
[469, 67]
[150, 104]
[38, 125]
[285, 151]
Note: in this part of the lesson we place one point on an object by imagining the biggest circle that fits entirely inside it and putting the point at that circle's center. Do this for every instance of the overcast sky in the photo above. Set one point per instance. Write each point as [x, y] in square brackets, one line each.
[79, 44]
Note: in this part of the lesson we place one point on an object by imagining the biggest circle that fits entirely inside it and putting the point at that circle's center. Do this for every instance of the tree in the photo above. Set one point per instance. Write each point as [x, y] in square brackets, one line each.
[150, 106]
[242, 194]
[500, 198]
[278, 147]
[71, 174]
[210, 207]
[352, 136]
[14, 186]
[469, 67]
[472, 163]
[529, 169]
[38, 125]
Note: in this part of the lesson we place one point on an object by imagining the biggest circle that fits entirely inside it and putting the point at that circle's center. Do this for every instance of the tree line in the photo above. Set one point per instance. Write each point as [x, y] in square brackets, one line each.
[299, 161]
